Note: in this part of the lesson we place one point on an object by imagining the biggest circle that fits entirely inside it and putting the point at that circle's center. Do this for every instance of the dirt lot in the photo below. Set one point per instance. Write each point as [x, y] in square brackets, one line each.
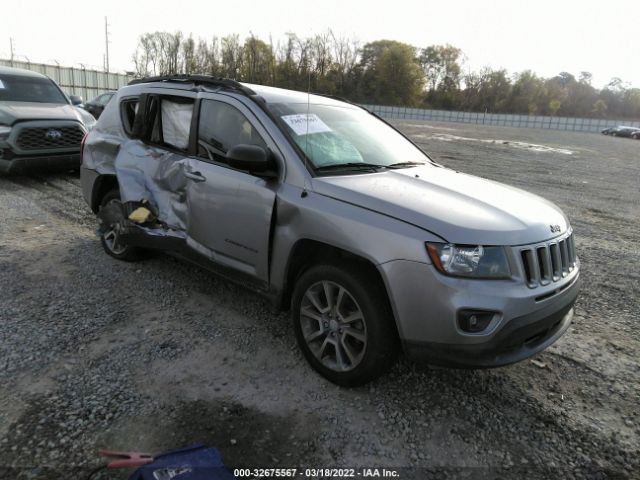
[155, 355]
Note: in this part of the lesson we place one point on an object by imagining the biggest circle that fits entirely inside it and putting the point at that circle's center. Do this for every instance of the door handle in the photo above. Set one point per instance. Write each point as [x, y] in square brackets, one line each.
[195, 176]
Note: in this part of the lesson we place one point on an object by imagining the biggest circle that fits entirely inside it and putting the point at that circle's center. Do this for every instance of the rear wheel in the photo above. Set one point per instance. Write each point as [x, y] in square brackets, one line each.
[343, 323]
[110, 240]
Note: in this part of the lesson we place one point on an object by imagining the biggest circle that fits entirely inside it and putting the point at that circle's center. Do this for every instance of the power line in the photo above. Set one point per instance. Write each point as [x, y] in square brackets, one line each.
[11, 47]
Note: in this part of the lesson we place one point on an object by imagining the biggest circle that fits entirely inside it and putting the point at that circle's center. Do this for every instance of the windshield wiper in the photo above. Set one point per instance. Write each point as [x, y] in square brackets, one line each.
[349, 166]
[405, 164]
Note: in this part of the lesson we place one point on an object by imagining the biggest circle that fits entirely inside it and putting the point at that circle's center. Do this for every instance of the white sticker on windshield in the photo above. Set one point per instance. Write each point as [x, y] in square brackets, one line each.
[1, 84]
[306, 123]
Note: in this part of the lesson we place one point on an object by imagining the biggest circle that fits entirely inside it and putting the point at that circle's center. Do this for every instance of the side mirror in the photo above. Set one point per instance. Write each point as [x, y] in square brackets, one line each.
[253, 159]
[75, 99]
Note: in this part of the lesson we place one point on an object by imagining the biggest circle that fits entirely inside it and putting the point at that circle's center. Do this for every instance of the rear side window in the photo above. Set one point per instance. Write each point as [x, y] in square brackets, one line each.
[162, 120]
[176, 123]
[221, 127]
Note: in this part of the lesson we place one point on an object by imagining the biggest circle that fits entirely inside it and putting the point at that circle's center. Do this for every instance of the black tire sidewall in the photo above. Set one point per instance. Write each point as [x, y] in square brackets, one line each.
[382, 340]
[129, 254]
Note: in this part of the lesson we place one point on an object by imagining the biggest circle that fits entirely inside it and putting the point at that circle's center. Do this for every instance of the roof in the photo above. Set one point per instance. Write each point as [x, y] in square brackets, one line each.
[269, 94]
[283, 95]
[20, 72]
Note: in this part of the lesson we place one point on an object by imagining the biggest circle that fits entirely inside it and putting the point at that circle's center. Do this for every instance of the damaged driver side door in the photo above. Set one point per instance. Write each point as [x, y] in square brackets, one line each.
[229, 211]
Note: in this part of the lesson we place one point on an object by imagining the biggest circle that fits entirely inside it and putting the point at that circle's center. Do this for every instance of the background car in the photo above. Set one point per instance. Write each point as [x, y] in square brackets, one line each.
[96, 106]
[622, 131]
[40, 126]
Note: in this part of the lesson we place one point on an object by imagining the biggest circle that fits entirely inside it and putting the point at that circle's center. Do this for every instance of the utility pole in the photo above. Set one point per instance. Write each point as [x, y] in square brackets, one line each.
[106, 42]
[11, 49]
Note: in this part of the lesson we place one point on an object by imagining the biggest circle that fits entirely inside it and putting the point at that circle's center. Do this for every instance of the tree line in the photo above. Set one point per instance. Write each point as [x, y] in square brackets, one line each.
[383, 72]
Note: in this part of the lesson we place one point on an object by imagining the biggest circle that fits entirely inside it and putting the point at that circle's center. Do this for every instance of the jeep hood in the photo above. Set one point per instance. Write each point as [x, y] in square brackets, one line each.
[458, 207]
[11, 112]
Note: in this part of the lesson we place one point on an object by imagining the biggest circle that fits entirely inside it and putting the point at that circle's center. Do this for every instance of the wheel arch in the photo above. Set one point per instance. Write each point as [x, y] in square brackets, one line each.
[307, 252]
[103, 185]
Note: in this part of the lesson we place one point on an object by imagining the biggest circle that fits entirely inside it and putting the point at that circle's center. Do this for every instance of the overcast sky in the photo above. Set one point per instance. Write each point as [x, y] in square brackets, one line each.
[545, 36]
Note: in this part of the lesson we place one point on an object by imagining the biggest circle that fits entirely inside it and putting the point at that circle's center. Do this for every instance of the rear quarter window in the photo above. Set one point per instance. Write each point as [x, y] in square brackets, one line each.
[159, 120]
[128, 110]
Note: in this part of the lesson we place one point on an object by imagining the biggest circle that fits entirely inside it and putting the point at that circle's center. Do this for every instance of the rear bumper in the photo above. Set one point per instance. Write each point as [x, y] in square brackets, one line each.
[27, 164]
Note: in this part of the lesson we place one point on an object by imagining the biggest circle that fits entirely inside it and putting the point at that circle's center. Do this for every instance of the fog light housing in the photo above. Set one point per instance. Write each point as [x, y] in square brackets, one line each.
[474, 321]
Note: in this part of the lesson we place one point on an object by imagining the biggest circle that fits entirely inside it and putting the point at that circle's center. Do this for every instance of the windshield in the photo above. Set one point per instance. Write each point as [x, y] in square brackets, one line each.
[331, 135]
[14, 88]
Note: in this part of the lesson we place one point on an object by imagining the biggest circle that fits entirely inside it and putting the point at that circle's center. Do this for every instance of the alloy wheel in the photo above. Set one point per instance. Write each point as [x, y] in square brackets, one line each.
[333, 326]
[112, 241]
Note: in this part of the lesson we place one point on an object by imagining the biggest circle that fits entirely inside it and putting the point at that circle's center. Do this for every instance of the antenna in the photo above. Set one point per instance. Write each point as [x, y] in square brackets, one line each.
[106, 43]
[306, 137]
[307, 159]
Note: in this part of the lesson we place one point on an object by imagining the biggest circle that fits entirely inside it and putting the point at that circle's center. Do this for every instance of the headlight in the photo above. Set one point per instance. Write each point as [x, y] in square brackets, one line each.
[473, 261]
[88, 119]
[5, 130]
[90, 124]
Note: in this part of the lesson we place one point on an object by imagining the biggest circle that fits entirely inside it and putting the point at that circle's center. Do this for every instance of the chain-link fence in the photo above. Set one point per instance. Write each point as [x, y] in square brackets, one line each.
[83, 82]
[499, 119]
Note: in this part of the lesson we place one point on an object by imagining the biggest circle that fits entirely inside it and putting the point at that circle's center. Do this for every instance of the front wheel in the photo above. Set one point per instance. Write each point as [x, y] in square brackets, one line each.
[343, 323]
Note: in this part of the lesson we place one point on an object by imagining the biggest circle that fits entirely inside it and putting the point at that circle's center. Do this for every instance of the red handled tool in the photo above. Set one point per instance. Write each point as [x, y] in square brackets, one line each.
[125, 459]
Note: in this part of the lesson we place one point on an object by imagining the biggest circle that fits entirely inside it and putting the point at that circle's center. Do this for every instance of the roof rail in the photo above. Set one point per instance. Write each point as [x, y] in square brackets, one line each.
[198, 80]
[334, 97]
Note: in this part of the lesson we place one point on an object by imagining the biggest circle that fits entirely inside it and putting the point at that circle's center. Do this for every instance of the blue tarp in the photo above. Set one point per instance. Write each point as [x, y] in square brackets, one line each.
[197, 462]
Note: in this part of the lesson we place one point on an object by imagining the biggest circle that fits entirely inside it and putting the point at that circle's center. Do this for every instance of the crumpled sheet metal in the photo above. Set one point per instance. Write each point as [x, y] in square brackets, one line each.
[145, 172]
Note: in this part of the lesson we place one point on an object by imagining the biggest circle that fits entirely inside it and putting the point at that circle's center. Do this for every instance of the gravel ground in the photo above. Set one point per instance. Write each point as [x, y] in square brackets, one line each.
[96, 353]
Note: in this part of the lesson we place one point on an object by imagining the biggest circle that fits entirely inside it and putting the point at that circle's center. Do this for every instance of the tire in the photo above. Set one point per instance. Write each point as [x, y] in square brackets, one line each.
[109, 240]
[353, 339]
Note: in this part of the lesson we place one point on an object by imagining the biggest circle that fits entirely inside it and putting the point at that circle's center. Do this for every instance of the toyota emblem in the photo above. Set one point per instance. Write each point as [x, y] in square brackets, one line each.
[53, 134]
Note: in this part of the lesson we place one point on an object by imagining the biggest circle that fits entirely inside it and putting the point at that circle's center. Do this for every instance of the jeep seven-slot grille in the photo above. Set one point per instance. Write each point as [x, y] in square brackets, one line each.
[549, 262]
[42, 138]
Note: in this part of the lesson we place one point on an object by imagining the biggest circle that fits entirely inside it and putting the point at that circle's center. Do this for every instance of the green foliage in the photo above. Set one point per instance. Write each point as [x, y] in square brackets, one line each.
[554, 106]
[383, 72]
[441, 65]
[600, 108]
[389, 73]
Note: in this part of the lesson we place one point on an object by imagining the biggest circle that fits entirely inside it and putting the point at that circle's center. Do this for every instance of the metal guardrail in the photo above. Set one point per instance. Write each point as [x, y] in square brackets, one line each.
[87, 83]
[500, 119]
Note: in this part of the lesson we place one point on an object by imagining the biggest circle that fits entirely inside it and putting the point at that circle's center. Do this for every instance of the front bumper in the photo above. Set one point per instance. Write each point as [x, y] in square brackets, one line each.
[27, 164]
[521, 338]
[426, 306]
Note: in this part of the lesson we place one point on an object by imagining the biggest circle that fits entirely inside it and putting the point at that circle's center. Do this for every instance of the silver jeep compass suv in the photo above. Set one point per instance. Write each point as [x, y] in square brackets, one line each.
[329, 211]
